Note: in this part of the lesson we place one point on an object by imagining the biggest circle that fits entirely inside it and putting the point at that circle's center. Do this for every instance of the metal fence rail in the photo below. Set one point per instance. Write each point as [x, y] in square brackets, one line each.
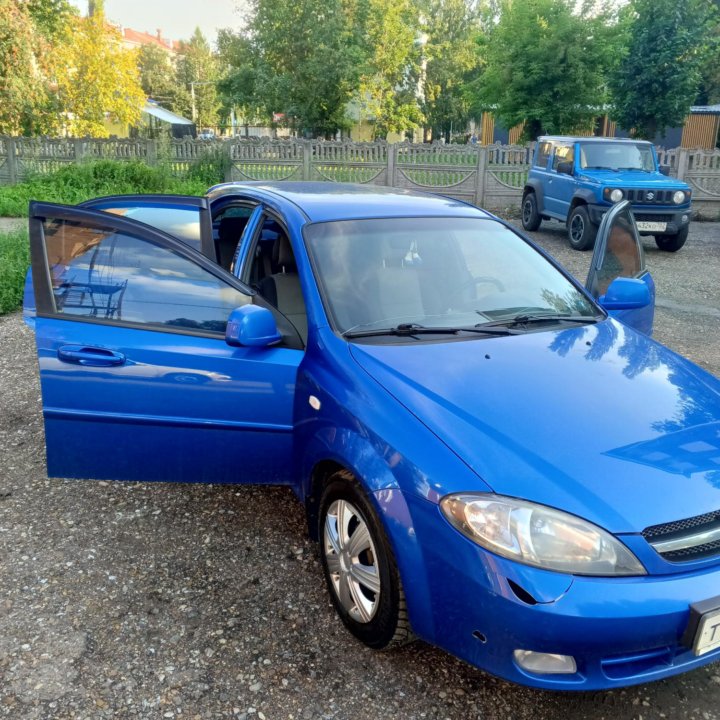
[490, 176]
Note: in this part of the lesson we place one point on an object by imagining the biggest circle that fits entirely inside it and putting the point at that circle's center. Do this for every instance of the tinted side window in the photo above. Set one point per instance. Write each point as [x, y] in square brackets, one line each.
[563, 153]
[104, 274]
[180, 222]
[543, 154]
[623, 255]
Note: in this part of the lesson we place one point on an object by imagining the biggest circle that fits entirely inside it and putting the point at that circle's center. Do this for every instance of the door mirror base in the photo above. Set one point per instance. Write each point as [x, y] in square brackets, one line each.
[626, 294]
[251, 326]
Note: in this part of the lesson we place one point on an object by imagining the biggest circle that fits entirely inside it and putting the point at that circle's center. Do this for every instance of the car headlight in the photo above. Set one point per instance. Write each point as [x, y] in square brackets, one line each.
[613, 194]
[538, 535]
[679, 197]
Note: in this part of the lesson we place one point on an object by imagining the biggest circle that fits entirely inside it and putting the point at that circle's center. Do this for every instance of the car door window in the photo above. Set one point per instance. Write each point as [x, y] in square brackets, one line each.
[563, 153]
[618, 253]
[228, 228]
[186, 218]
[105, 274]
[543, 154]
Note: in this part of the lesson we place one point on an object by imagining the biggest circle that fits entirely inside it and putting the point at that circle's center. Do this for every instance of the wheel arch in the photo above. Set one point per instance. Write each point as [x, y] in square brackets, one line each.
[534, 185]
[394, 514]
[581, 197]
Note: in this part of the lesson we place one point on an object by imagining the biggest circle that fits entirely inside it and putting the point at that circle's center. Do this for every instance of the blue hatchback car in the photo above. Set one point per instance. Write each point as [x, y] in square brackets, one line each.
[493, 458]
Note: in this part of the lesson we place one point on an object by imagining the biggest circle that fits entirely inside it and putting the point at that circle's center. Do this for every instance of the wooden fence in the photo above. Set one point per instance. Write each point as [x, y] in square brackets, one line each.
[489, 176]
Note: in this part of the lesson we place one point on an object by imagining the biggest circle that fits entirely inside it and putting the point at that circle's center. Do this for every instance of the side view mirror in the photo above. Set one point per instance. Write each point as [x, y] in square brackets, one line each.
[664, 169]
[251, 326]
[626, 294]
[565, 167]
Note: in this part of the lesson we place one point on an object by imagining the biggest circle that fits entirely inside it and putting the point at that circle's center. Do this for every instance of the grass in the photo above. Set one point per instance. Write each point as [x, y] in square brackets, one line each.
[14, 261]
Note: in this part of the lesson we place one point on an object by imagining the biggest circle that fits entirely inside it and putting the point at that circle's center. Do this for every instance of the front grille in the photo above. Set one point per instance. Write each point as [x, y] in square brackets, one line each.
[647, 217]
[683, 535]
[650, 197]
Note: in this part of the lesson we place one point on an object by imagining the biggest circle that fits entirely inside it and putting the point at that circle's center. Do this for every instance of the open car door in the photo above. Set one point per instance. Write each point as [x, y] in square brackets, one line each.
[619, 253]
[137, 380]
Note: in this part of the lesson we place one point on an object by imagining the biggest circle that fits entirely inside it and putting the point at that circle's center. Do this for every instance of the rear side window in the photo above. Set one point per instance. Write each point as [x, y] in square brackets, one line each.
[543, 154]
[563, 153]
[103, 274]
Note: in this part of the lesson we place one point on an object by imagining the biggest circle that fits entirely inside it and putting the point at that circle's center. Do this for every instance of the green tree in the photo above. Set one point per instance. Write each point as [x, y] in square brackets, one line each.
[95, 77]
[389, 81]
[450, 51]
[308, 59]
[710, 84]
[51, 17]
[197, 71]
[238, 88]
[23, 81]
[546, 63]
[659, 76]
[158, 78]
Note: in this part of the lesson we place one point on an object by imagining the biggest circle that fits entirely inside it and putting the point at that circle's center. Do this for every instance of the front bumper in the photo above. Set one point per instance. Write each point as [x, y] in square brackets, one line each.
[620, 631]
[674, 217]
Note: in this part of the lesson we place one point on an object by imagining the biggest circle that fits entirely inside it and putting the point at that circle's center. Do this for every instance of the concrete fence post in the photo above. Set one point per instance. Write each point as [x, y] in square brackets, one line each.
[11, 160]
[79, 150]
[151, 152]
[306, 159]
[682, 163]
[480, 176]
[390, 170]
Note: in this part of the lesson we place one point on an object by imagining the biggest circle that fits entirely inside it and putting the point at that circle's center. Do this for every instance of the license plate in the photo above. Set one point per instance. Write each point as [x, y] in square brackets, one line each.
[652, 226]
[707, 636]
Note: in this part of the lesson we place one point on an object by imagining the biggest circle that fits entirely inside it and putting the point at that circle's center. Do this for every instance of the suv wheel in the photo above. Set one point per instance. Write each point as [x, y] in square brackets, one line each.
[530, 216]
[581, 232]
[672, 243]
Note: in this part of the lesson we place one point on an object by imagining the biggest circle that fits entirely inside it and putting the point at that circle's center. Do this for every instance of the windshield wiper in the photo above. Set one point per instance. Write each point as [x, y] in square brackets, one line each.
[641, 169]
[411, 329]
[529, 319]
[600, 167]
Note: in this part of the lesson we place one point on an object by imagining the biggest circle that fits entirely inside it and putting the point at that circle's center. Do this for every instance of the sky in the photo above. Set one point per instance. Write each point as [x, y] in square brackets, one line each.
[176, 18]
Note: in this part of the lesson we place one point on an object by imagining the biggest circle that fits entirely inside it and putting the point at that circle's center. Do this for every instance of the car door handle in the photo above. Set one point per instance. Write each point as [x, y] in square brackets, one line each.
[90, 356]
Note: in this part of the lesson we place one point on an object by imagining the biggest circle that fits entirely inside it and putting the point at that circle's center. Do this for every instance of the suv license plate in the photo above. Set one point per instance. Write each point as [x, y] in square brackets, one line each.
[652, 226]
[707, 637]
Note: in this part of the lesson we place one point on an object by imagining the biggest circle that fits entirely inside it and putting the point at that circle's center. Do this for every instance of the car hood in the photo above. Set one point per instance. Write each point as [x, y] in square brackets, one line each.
[634, 179]
[597, 420]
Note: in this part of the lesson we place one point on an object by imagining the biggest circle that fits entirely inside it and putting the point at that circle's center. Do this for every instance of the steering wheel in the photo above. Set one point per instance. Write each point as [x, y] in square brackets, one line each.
[474, 282]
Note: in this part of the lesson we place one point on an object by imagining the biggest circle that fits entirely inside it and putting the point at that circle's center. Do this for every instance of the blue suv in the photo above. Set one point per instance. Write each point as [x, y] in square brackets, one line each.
[578, 179]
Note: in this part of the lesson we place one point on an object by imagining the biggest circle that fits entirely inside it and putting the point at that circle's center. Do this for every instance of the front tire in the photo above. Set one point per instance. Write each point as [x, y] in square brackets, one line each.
[581, 231]
[672, 243]
[530, 216]
[359, 566]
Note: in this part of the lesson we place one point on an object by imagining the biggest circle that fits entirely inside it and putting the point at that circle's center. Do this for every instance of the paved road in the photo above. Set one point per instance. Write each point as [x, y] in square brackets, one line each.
[161, 601]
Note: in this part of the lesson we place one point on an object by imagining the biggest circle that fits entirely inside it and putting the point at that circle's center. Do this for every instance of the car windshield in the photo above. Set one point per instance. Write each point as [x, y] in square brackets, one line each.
[435, 273]
[617, 156]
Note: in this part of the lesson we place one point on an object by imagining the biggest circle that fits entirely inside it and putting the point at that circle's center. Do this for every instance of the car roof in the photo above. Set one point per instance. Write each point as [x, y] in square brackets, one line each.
[592, 139]
[325, 201]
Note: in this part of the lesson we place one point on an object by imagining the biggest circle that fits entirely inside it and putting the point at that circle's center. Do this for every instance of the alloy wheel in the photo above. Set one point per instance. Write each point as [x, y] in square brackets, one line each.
[351, 561]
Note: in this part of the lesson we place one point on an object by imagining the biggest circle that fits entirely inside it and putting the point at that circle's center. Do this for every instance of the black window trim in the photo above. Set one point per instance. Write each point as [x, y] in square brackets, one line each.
[42, 284]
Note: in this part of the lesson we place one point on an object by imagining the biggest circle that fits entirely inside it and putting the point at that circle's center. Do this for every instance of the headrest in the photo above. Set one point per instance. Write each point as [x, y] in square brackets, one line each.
[395, 249]
[283, 254]
[231, 228]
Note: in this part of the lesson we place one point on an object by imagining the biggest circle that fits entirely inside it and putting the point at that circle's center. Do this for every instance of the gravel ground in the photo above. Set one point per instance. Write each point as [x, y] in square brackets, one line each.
[161, 601]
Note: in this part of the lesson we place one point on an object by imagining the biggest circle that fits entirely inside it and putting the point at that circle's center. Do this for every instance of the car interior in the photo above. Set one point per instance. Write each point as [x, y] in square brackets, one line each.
[273, 273]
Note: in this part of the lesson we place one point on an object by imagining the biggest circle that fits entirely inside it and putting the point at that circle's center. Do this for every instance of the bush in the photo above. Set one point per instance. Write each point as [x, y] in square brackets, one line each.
[14, 261]
[77, 182]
